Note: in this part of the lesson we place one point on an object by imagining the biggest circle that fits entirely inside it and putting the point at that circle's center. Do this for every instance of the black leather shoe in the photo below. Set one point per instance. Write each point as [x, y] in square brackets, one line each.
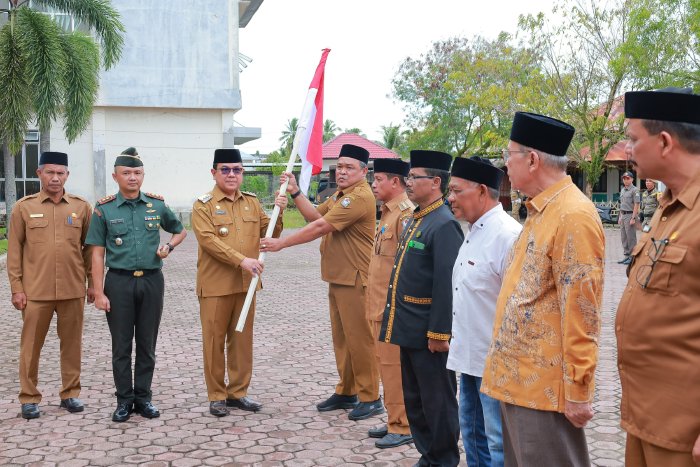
[72, 405]
[244, 403]
[625, 260]
[336, 401]
[123, 412]
[30, 410]
[146, 409]
[366, 410]
[218, 408]
[378, 431]
[392, 440]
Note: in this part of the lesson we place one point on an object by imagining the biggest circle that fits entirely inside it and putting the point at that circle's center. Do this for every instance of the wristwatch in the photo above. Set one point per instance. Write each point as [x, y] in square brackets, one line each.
[294, 195]
[170, 247]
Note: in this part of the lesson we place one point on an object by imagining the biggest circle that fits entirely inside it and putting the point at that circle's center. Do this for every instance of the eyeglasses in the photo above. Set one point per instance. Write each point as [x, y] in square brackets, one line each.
[411, 178]
[507, 152]
[659, 246]
[227, 170]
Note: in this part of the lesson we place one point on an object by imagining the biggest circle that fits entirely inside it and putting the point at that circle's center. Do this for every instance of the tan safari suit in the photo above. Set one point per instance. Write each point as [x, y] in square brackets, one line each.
[658, 334]
[345, 258]
[395, 215]
[228, 230]
[46, 260]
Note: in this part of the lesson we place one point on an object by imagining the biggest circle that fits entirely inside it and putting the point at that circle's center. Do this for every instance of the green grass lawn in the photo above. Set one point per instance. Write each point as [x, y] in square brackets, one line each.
[3, 242]
[293, 219]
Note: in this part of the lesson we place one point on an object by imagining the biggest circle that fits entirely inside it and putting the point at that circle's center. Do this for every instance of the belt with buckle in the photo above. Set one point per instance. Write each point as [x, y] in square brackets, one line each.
[626, 212]
[136, 273]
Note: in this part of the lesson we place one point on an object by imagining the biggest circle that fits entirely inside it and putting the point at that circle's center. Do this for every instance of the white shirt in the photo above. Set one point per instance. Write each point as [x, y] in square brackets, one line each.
[476, 281]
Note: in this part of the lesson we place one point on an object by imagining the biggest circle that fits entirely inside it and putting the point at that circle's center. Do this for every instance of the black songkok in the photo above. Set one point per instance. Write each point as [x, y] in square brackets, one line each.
[543, 133]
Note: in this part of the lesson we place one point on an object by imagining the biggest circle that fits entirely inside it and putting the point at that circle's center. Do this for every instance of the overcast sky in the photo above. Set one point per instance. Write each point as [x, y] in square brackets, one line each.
[368, 40]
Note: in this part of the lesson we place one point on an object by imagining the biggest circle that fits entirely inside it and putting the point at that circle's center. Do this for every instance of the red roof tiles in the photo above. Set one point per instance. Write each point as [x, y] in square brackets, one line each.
[331, 149]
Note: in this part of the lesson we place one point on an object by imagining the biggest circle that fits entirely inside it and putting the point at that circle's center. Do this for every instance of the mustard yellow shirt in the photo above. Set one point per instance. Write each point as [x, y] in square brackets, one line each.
[545, 340]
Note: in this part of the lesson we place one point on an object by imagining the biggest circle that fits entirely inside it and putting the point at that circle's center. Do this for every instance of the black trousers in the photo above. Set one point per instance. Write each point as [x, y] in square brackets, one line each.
[136, 305]
[430, 397]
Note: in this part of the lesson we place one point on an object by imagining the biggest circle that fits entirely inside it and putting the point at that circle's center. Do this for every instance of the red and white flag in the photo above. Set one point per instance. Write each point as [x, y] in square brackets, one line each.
[309, 135]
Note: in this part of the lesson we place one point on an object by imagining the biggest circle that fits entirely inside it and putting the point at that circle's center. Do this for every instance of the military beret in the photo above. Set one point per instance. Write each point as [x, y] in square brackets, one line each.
[222, 156]
[355, 152]
[479, 170]
[431, 160]
[391, 166]
[130, 151]
[131, 159]
[49, 157]
[543, 133]
[668, 105]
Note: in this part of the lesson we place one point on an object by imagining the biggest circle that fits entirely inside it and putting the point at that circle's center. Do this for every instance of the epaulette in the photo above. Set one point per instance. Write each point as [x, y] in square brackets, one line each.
[26, 198]
[249, 194]
[406, 204]
[107, 199]
[76, 197]
[154, 196]
[204, 198]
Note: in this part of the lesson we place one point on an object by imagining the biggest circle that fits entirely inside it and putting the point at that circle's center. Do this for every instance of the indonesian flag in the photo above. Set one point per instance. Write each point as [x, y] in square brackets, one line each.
[309, 137]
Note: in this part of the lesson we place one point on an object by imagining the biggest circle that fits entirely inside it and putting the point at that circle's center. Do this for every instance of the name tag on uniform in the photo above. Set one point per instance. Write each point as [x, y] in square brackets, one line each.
[36, 215]
[116, 221]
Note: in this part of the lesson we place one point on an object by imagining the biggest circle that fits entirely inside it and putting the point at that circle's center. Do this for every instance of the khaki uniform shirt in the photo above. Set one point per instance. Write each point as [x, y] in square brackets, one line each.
[345, 253]
[228, 229]
[628, 198]
[658, 326]
[46, 258]
[545, 338]
[395, 215]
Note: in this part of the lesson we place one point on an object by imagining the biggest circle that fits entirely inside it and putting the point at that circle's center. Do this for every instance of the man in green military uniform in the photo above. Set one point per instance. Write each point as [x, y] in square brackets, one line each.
[650, 201]
[125, 230]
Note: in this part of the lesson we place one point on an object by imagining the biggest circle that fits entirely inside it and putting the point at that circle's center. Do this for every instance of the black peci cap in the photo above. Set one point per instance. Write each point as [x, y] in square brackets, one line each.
[543, 133]
[668, 105]
[431, 160]
[355, 152]
[227, 155]
[391, 166]
[479, 170]
[58, 158]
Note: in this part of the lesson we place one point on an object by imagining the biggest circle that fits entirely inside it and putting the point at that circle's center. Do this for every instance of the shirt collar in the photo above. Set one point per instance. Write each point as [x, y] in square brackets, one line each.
[121, 200]
[218, 195]
[688, 195]
[393, 204]
[351, 188]
[540, 202]
[428, 209]
[43, 196]
[484, 219]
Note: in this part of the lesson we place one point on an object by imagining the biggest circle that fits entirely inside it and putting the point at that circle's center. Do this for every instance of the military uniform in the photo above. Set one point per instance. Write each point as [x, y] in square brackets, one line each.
[650, 201]
[419, 306]
[345, 257]
[46, 260]
[396, 214]
[228, 229]
[628, 198]
[129, 230]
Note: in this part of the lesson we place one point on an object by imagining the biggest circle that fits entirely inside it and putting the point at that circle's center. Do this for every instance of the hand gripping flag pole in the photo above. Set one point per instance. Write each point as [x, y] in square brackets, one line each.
[308, 143]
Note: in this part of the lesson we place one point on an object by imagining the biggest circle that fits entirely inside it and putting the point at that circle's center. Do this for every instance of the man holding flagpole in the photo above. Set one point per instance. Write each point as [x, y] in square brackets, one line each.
[346, 221]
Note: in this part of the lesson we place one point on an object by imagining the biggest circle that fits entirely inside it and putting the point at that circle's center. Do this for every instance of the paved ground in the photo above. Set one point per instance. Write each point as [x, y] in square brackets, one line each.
[294, 369]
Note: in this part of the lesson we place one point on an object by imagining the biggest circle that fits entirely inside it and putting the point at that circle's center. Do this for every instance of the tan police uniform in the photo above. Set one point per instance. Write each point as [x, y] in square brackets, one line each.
[345, 258]
[47, 261]
[658, 333]
[396, 213]
[228, 229]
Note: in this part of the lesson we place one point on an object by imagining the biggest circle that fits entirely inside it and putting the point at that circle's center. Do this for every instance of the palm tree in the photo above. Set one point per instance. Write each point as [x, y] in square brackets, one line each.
[329, 130]
[355, 131]
[47, 72]
[391, 137]
[289, 133]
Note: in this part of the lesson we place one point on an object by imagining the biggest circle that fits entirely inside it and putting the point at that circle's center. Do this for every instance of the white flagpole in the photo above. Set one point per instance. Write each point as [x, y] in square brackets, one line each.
[304, 122]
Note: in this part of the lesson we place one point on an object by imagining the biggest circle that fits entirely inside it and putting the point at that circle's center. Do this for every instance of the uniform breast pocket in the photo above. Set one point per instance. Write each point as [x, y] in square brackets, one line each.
[38, 230]
[250, 225]
[660, 266]
[117, 233]
[223, 225]
[152, 225]
[386, 245]
[73, 227]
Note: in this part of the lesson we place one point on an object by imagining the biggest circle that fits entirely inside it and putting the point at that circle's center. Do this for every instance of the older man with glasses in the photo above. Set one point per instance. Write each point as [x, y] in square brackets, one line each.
[228, 224]
[658, 318]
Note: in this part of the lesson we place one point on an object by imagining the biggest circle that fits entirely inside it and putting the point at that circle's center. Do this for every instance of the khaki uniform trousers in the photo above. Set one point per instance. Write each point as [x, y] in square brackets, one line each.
[389, 363]
[639, 453]
[628, 233]
[37, 318]
[219, 316]
[352, 342]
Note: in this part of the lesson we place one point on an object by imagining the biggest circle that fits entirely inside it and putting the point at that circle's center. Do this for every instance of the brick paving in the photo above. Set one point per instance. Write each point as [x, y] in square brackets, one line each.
[294, 369]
